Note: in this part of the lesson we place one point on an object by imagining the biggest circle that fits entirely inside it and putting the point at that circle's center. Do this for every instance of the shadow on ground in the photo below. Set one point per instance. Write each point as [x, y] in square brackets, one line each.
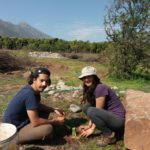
[62, 137]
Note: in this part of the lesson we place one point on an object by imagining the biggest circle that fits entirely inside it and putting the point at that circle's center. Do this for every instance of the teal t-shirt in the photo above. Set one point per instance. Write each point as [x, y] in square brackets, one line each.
[16, 112]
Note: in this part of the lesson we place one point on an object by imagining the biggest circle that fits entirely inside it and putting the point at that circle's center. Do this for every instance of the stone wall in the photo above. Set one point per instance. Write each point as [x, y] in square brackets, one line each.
[45, 55]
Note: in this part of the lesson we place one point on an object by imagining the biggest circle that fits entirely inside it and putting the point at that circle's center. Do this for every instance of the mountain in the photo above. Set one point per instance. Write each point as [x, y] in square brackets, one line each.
[22, 30]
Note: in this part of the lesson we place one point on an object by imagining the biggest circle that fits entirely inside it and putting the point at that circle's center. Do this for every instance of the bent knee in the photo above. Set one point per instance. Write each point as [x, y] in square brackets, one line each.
[91, 112]
[85, 108]
[47, 130]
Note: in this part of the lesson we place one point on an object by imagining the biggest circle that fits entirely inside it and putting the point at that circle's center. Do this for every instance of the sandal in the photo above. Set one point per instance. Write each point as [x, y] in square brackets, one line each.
[106, 139]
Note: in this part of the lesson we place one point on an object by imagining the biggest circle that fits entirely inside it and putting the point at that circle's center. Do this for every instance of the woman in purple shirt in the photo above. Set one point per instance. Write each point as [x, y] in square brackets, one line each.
[103, 108]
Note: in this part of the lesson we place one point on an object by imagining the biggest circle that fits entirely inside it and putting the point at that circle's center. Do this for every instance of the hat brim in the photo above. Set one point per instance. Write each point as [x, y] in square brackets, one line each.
[84, 75]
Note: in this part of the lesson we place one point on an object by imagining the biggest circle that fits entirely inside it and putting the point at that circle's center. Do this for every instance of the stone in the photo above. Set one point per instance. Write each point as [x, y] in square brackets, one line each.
[51, 92]
[137, 124]
[75, 94]
[48, 88]
[75, 108]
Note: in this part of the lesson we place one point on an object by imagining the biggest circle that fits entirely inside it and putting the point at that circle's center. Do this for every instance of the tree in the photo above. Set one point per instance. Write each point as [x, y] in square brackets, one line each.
[8, 43]
[126, 25]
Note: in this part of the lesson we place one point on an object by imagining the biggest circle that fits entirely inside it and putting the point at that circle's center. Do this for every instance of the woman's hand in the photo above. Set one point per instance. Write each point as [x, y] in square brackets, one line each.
[83, 128]
[87, 132]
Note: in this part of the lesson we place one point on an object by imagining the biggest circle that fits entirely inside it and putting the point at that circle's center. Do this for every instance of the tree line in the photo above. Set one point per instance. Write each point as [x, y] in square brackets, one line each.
[52, 45]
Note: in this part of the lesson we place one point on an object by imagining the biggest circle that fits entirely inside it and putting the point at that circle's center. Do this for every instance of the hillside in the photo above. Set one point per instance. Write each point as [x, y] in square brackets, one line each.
[22, 30]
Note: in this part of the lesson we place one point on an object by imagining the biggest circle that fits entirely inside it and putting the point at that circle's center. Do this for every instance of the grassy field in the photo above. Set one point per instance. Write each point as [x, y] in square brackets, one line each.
[68, 70]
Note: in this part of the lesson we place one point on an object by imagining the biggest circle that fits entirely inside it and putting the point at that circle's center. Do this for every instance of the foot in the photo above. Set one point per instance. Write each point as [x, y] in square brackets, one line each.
[106, 139]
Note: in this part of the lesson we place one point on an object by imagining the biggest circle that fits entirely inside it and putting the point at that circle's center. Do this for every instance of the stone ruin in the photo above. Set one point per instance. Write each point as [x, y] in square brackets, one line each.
[45, 55]
[61, 87]
[137, 125]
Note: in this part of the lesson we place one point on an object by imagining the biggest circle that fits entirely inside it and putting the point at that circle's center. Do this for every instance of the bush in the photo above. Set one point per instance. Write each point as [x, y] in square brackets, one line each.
[11, 63]
[74, 56]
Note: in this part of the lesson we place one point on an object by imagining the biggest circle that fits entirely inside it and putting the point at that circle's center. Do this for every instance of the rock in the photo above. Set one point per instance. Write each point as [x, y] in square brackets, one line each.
[48, 88]
[45, 55]
[75, 108]
[137, 124]
[62, 87]
[75, 94]
[52, 86]
[60, 84]
[57, 95]
[51, 92]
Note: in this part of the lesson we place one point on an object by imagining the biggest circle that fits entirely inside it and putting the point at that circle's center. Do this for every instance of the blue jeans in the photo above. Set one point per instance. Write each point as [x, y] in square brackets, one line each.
[104, 120]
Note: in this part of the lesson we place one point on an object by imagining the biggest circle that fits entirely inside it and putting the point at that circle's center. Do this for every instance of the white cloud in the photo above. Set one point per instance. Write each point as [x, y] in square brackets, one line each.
[86, 32]
[75, 31]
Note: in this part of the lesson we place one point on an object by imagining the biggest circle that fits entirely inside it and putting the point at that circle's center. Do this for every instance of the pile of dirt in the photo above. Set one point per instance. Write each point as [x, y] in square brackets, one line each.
[8, 62]
[12, 63]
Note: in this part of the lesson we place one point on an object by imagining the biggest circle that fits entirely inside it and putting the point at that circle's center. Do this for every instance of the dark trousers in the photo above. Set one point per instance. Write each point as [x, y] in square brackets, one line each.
[104, 120]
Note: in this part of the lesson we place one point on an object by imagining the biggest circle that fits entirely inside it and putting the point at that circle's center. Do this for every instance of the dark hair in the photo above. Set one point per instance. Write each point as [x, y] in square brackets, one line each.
[36, 73]
[88, 92]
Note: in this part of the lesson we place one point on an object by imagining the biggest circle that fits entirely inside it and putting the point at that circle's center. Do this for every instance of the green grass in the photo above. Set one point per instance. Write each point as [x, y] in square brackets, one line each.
[70, 75]
[11, 80]
[136, 84]
[5, 98]
[19, 53]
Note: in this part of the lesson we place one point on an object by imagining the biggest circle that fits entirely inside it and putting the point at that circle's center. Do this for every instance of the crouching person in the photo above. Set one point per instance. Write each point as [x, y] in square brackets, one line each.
[29, 115]
[103, 108]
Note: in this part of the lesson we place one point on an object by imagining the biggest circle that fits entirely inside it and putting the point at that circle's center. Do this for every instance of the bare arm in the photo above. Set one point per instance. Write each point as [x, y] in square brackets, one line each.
[100, 102]
[36, 120]
[88, 130]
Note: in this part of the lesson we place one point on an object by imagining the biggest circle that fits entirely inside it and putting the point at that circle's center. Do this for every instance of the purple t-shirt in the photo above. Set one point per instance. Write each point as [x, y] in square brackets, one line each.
[112, 102]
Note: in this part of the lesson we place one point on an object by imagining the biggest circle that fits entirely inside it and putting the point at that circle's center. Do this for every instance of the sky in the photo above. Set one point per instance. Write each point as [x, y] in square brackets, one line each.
[63, 19]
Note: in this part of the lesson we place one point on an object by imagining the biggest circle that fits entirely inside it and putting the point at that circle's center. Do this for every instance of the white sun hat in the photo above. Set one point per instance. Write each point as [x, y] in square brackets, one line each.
[87, 71]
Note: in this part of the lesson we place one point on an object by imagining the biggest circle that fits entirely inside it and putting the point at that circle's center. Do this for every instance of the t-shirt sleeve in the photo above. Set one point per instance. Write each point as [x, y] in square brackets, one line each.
[31, 102]
[101, 90]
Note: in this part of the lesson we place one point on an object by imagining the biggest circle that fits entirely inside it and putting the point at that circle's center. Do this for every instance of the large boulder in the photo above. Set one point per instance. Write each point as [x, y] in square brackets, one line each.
[137, 125]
